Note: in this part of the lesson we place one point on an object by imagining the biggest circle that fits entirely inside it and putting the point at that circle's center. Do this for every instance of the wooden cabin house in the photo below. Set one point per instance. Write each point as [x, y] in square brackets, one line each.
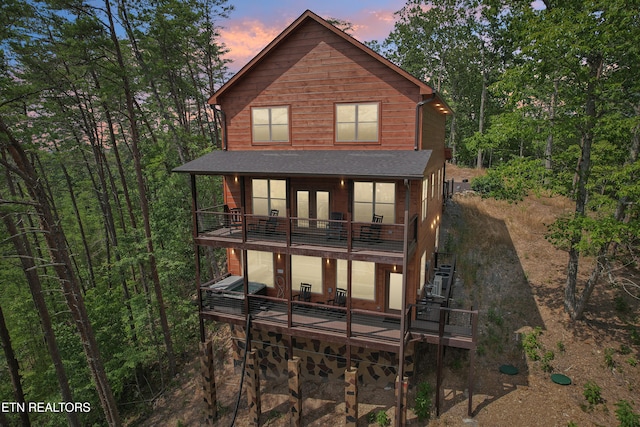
[332, 163]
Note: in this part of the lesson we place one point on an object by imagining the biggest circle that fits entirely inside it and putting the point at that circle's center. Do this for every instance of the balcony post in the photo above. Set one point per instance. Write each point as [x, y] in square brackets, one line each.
[243, 211]
[401, 395]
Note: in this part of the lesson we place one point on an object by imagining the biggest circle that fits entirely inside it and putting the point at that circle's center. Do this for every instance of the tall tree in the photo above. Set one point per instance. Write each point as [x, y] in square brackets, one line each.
[14, 368]
[578, 54]
[62, 265]
[438, 41]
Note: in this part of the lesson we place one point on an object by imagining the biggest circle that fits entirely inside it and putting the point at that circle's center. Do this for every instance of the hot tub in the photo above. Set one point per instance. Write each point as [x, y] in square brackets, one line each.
[227, 295]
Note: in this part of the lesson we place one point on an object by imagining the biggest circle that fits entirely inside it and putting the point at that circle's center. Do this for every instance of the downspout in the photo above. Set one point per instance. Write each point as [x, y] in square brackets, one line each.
[418, 108]
[223, 123]
[403, 310]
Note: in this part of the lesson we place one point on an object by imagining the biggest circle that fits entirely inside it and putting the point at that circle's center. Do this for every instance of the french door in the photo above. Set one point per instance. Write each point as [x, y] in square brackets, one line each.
[394, 292]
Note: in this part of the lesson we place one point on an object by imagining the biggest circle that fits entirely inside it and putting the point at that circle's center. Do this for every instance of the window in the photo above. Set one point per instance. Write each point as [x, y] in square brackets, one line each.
[433, 185]
[260, 267]
[270, 124]
[269, 194]
[357, 122]
[306, 269]
[423, 270]
[374, 197]
[363, 278]
[425, 197]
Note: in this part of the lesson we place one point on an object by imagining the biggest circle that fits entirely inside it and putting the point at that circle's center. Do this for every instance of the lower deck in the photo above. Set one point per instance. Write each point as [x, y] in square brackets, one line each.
[428, 321]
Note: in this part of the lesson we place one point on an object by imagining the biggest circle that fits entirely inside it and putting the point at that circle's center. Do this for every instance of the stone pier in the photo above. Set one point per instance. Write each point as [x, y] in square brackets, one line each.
[351, 397]
[295, 395]
[208, 382]
[252, 373]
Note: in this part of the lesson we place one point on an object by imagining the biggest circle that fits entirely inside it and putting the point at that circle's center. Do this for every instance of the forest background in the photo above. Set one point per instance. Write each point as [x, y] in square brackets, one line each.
[100, 100]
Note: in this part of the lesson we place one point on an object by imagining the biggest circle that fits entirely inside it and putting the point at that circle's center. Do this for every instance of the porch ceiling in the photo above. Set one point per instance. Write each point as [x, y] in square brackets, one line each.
[389, 164]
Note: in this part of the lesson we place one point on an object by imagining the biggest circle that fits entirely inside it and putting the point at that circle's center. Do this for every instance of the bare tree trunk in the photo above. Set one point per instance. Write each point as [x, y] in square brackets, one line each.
[483, 100]
[63, 266]
[23, 249]
[548, 149]
[582, 178]
[144, 206]
[14, 369]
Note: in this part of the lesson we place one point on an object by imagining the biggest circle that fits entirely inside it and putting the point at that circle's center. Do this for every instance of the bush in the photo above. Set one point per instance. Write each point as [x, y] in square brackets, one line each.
[530, 343]
[626, 416]
[592, 393]
[422, 407]
[511, 181]
[383, 419]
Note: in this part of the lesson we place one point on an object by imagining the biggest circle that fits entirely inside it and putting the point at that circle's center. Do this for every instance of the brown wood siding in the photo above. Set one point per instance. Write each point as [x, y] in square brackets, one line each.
[311, 71]
[433, 132]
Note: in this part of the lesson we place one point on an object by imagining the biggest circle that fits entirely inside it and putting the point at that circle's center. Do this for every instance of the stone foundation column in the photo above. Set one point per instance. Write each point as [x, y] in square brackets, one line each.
[351, 396]
[295, 395]
[405, 392]
[208, 382]
[253, 388]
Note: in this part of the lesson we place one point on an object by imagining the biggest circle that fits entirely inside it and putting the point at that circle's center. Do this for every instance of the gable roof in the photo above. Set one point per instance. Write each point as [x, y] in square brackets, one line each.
[381, 164]
[308, 15]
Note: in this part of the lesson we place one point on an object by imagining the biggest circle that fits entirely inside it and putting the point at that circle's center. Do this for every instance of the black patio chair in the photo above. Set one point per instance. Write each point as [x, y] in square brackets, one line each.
[267, 226]
[340, 298]
[305, 293]
[335, 228]
[371, 232]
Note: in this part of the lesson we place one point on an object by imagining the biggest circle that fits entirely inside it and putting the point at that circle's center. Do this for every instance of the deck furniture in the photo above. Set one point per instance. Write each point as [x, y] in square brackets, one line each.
[340, 298]
[335, 229]
[269, 225]
[305, 293]
[371, 232]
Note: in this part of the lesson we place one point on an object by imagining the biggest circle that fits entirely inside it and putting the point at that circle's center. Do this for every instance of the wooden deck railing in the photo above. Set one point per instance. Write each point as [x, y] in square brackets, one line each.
[456, 327]
[216, 224]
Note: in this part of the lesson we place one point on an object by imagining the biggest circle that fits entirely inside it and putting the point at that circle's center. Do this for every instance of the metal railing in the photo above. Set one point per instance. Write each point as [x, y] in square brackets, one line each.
[215, 223]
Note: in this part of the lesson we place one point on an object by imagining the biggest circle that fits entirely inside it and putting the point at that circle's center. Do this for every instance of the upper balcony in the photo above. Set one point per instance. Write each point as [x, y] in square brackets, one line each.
[220, 227]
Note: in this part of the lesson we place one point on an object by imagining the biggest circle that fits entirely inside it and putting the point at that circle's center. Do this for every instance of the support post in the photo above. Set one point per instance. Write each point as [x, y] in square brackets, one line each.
[295, 395]
[439, 360]
[253, 388]
[402, 389]
[351, 396]
[208, 382]
[472, 356]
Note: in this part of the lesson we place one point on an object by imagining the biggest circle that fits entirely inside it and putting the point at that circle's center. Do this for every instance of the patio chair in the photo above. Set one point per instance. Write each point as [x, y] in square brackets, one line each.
[305, 293]
[371, 232]
[267, 226]
[340, 298]
[235, 219]
[335, 228]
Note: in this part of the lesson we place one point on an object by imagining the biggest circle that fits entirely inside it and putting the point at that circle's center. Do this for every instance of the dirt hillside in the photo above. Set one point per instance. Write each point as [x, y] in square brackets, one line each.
[515, 278]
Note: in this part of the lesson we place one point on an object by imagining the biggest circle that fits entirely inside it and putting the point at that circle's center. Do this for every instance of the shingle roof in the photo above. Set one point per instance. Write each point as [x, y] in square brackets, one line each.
[395, 164]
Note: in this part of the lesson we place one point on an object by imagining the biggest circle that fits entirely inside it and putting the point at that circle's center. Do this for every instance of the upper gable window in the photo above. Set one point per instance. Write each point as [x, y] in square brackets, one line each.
[357, 122]
[270, 124]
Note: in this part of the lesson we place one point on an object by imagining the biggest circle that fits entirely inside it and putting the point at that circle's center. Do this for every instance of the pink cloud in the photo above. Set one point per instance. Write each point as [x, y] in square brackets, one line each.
[246, 38]
[373, 24]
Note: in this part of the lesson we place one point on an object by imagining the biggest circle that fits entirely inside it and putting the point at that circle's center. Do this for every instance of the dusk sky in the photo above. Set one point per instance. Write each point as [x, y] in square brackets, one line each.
[253, 24]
